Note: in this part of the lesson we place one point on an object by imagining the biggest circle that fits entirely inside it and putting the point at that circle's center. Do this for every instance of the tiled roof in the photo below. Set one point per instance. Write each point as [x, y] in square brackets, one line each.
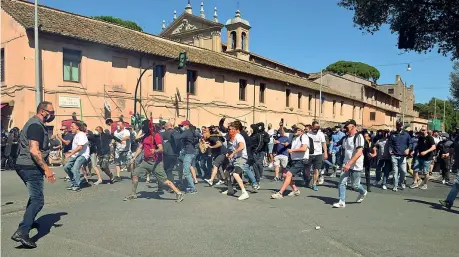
[83, 28]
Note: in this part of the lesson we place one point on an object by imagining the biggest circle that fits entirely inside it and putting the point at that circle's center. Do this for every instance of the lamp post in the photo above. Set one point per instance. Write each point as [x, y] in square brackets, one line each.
[38, 96]
[404, 98]
[320, 94]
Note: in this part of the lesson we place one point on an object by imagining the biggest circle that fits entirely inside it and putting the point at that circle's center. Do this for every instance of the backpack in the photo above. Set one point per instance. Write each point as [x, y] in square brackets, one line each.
[311, 143]
[355, 139]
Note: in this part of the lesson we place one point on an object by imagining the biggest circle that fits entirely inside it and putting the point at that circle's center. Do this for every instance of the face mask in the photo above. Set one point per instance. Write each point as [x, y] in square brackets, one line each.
[182, 128]
[96, 133]
[49, 117]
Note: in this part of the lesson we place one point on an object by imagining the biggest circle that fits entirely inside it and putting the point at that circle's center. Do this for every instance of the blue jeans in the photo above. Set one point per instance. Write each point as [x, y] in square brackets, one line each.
[72, 168]
[33, 179]
[355, 178]
[398, 164]
[187, 163]
[384, 167]
[453, 192]
[249, 173]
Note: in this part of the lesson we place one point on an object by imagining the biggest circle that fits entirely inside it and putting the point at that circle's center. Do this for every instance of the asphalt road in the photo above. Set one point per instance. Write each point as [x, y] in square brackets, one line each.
[96, 222]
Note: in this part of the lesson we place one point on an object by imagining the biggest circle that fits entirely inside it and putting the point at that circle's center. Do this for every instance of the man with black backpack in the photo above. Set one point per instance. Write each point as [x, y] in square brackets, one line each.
[352, 146]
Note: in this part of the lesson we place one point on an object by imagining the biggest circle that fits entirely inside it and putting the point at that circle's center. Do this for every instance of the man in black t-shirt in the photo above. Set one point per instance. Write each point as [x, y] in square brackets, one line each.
[32, 166]
[425, 149]
[219, 160]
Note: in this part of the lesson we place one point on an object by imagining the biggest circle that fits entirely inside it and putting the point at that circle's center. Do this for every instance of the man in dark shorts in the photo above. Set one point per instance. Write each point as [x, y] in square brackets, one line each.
[102, 143]
[153, 149]
[31, 167]
[299, 154]
[218, 152]
[425, 149]
[170, 152]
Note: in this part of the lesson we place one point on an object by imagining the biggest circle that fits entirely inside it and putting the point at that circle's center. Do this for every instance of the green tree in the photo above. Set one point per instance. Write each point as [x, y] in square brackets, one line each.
[454, 84]
[427, 110]
[422, 25]
[118, 21]
[356, 68]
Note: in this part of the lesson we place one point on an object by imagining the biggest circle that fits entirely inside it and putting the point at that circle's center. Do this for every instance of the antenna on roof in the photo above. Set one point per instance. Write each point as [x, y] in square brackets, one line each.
[175, 15]
[164, 24]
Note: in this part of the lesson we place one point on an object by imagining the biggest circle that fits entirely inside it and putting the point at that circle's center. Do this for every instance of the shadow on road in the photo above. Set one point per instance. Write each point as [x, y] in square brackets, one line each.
[46, 222]
[436, 206]
[325, 199]
[154, 195]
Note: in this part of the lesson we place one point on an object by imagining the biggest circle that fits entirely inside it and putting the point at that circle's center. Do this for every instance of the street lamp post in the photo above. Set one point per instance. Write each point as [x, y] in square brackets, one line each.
[404, 97]
[38, 96]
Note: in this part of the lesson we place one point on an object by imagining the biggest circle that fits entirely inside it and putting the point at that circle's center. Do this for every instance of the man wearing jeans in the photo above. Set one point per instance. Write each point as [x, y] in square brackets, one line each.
[78, 156]
[31, 166]
[353, 164]
[188, 154]
[334, 148]
[399, 148]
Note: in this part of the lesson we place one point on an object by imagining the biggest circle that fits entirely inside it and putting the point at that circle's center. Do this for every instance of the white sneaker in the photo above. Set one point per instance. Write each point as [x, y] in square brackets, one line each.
[361, 197]
[221, 182]
[277, 196]
[423, 187]
[243, 196]
[403, 186]
[384, 187]
[443, 181]
[339, 204]
[394, 189]
[321, 180]
[98, 182]
[209, 182]
[225, 192]
[270, 166]
[294, 193]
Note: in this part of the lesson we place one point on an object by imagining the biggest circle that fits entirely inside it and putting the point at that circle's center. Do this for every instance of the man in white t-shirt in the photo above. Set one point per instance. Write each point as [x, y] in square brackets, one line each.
[237, 157]
[78, 156]
[123, 149]
[320, 153]
[299, 155]
[352, 146]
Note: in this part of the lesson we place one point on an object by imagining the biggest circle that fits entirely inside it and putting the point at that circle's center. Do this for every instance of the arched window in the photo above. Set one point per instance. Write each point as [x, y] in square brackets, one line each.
[243, 38]
[233, 40]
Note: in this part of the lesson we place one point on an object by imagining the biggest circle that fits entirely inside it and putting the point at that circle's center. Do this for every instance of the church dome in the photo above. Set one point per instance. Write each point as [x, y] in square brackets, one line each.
[237, 19]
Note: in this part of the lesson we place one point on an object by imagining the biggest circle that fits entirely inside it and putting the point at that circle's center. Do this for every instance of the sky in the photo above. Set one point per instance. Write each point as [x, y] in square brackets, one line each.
[304, 34]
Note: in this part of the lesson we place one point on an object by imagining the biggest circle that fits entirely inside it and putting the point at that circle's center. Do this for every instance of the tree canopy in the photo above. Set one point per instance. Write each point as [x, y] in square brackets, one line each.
[356, 68]
[454, 84]
[422, 25]
[427, 111]
[118, 21]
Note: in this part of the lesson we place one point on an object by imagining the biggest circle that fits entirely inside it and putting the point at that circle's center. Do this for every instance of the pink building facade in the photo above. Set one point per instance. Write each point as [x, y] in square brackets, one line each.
[91, 68]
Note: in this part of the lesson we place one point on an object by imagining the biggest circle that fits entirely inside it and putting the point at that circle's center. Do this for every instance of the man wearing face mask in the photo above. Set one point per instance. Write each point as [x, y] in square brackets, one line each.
[123, 148]
[320, 152]
[32, 166]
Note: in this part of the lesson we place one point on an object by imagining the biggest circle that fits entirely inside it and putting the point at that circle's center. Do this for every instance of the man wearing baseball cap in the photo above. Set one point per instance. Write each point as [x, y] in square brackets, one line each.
[353, 145]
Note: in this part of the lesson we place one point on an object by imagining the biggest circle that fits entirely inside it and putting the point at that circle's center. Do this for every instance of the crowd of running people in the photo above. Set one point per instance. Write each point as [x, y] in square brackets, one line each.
[234, 155]
[228, 154]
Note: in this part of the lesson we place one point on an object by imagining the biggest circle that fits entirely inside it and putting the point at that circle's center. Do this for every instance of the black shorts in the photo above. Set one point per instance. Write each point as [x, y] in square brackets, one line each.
[220, 161]
[316, 161]
[296, 167]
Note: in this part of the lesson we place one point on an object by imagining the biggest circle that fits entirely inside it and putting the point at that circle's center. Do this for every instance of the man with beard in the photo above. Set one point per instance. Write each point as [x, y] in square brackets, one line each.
[152, 146]
[320, 152]
[32, 166]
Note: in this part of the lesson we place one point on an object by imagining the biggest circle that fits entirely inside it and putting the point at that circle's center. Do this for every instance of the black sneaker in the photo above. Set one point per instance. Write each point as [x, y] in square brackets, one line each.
[446, 204]
[25, 240]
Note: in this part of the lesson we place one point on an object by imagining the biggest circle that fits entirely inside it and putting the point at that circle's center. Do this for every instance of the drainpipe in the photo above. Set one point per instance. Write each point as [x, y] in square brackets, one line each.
[253, 118]
[140, 72]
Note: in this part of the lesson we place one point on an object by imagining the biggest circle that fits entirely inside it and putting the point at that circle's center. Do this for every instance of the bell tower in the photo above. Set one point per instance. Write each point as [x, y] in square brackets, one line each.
[238, 36]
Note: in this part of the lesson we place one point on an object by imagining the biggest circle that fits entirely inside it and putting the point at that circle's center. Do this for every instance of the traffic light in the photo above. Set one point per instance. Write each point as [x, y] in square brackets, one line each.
[182, 60]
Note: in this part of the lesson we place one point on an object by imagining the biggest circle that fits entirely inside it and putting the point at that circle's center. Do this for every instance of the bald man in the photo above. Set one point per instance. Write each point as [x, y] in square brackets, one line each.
[170, 150]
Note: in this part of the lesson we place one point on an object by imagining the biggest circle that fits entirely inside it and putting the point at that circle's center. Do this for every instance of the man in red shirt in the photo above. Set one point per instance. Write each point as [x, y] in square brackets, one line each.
[152, 162]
